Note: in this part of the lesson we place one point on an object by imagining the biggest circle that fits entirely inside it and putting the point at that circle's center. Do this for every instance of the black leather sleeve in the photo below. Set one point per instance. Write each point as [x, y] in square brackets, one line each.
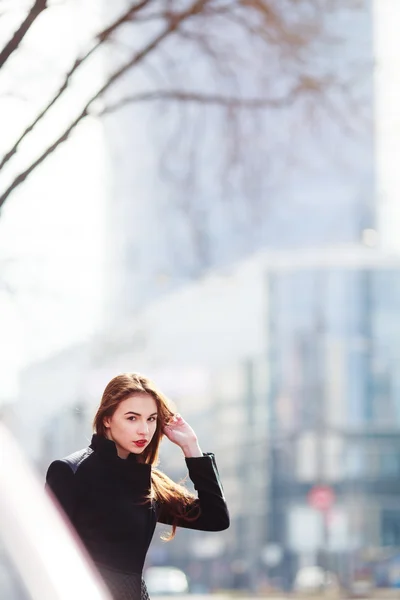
[210, 503]
[60, 479]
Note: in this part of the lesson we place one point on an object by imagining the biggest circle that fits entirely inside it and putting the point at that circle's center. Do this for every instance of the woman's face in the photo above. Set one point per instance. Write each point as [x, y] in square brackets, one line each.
[133, 424]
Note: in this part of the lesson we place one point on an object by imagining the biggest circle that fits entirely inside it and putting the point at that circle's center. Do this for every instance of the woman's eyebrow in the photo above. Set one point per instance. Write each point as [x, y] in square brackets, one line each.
[130, 412]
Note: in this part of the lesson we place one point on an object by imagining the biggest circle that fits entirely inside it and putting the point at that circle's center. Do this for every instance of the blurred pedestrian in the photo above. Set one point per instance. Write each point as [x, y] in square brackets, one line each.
[114, 495]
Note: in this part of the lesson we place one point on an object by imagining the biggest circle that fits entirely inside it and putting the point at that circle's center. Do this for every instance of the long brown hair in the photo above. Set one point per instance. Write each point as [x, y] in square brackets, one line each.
[163, 489]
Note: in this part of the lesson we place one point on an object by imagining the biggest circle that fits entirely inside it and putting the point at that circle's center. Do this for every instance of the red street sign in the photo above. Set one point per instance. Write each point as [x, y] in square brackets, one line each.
[321, 497]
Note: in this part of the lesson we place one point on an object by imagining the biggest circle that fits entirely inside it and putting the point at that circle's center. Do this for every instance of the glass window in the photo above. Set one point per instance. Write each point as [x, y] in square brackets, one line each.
[390, 522]
[355, 461]
[390, 463]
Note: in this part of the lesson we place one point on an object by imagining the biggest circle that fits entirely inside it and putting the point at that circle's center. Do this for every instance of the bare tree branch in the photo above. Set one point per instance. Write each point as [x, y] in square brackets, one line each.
[108, 31]
[22, 176]
[102, 37]
[229, 102]
[13, 44]
[251, 54]
[174, 22]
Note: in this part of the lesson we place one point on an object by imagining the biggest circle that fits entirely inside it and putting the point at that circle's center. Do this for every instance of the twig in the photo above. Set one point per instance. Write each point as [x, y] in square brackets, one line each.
[231, 102]
[13, 44]
[101, 38]
[173, 25]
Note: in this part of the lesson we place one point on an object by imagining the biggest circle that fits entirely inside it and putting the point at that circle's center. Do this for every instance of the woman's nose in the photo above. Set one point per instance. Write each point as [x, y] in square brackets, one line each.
[144, 427]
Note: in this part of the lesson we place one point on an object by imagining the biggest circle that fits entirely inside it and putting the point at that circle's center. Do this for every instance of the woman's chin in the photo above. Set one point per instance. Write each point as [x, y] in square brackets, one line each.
[136, 450]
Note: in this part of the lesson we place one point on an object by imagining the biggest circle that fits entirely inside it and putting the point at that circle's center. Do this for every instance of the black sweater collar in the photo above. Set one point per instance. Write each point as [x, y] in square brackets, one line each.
[130, 469]
[108, 449]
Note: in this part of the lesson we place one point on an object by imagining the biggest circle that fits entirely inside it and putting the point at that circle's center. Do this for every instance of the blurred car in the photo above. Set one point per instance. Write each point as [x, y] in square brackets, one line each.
[314, 579]
[166, 581]
[40, 558]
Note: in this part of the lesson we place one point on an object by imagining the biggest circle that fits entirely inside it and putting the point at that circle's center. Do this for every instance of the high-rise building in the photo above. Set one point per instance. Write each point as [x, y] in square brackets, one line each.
[333, 355]
[318, 188]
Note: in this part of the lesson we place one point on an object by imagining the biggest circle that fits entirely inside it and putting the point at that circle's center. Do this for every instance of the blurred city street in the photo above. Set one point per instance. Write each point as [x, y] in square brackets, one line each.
[207, 192]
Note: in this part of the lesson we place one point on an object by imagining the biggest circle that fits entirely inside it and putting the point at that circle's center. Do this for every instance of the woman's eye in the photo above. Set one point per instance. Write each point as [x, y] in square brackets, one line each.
[131, 418]
[152, 418]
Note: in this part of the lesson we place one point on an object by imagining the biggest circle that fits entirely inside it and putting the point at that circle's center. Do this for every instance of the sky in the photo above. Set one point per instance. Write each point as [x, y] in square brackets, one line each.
[387, 119]
[52, 227]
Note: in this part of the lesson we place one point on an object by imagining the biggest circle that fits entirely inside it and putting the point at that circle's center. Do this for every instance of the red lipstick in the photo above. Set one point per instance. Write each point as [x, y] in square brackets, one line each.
[140, 443]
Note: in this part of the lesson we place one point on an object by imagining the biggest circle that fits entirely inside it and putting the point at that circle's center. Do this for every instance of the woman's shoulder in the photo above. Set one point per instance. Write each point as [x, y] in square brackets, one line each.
[73, 461]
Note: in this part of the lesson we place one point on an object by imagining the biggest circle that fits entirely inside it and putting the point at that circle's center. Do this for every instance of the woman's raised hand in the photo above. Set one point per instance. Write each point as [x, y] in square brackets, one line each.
[179, 432]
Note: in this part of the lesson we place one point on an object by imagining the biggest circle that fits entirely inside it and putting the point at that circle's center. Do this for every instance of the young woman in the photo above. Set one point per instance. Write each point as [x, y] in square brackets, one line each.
[114, 495]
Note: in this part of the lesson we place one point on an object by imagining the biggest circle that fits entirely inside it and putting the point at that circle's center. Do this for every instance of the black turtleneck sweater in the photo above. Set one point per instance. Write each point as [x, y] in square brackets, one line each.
[103, 497]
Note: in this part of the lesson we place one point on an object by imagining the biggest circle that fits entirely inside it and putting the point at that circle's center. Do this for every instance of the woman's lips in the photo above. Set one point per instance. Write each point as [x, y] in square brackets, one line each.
[140, 443]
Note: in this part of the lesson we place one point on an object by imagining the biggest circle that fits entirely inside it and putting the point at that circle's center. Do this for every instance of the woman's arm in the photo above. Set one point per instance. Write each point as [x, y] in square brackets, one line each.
[210, 503]
[60, 479]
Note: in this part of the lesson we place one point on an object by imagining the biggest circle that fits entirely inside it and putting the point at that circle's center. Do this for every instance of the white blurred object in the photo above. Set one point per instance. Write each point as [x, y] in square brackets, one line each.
[272, 555]
[166, 580]
[50, 562]
[314, 579]
[361, 588]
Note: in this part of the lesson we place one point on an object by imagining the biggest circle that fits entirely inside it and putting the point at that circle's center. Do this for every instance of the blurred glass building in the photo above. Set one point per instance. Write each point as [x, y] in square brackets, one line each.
[334, 414]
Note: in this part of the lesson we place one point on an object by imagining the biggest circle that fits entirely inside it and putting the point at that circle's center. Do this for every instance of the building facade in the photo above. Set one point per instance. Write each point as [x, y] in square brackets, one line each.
[334, 415]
